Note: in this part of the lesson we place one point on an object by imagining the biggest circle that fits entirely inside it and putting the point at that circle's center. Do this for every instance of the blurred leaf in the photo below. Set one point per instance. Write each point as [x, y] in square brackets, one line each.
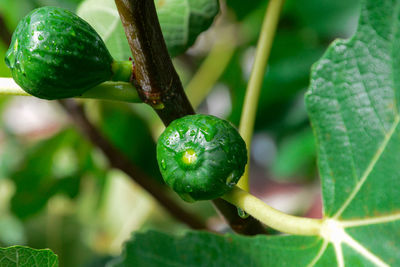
[4, 70]
[299, 42]
[206, 249]
[328, 18]
[295, 156]
[68, 4]
[14, 10]
[288, 73]
[242, 9]
[63, 233]
[19, 256]
[44, 171]
[103, 16]
[181, 22]
[132, 136]
[11, 154]
[11, 231]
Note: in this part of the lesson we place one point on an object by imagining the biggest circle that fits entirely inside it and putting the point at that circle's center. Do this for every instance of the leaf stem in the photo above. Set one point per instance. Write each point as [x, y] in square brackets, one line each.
[117, 91]
[271, 217]
[257, 75]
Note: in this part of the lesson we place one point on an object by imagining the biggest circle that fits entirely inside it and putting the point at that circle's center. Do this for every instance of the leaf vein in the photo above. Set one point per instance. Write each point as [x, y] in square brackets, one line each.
[369, 168]
[371, 221]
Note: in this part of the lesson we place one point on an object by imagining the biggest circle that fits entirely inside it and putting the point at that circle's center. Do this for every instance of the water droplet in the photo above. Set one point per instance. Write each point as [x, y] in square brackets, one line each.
[229, 180]
[40, 37]
[16, 45]
[163, 164]
[242, 214]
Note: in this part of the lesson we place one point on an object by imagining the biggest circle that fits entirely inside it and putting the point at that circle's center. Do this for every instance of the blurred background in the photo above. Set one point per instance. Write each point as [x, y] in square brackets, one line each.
[57, 190]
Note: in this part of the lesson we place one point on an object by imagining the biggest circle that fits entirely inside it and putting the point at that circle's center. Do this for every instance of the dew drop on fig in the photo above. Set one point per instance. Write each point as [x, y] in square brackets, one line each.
[163, 165]
[242, 214]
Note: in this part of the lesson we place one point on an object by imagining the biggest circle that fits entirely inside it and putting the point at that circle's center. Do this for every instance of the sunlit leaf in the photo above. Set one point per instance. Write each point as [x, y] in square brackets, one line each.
[52, 166]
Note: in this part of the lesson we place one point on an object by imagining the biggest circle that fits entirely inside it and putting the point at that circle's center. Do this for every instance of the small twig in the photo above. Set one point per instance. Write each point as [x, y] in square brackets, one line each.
[159, 85]
[119, 161]
[157, 82]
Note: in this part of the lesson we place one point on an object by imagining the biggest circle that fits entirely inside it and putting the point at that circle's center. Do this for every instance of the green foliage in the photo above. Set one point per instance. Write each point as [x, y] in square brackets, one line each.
[323, 15]
[129, 133]
[14, 10]
[201, 157]
[353, 106]
[181, 22]
[296, 156]
[19, 256]
[241, 10]
[4, 71]
[63, 160]
[109, 26]
[55, 54]
[205, 249]
[301, 39]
